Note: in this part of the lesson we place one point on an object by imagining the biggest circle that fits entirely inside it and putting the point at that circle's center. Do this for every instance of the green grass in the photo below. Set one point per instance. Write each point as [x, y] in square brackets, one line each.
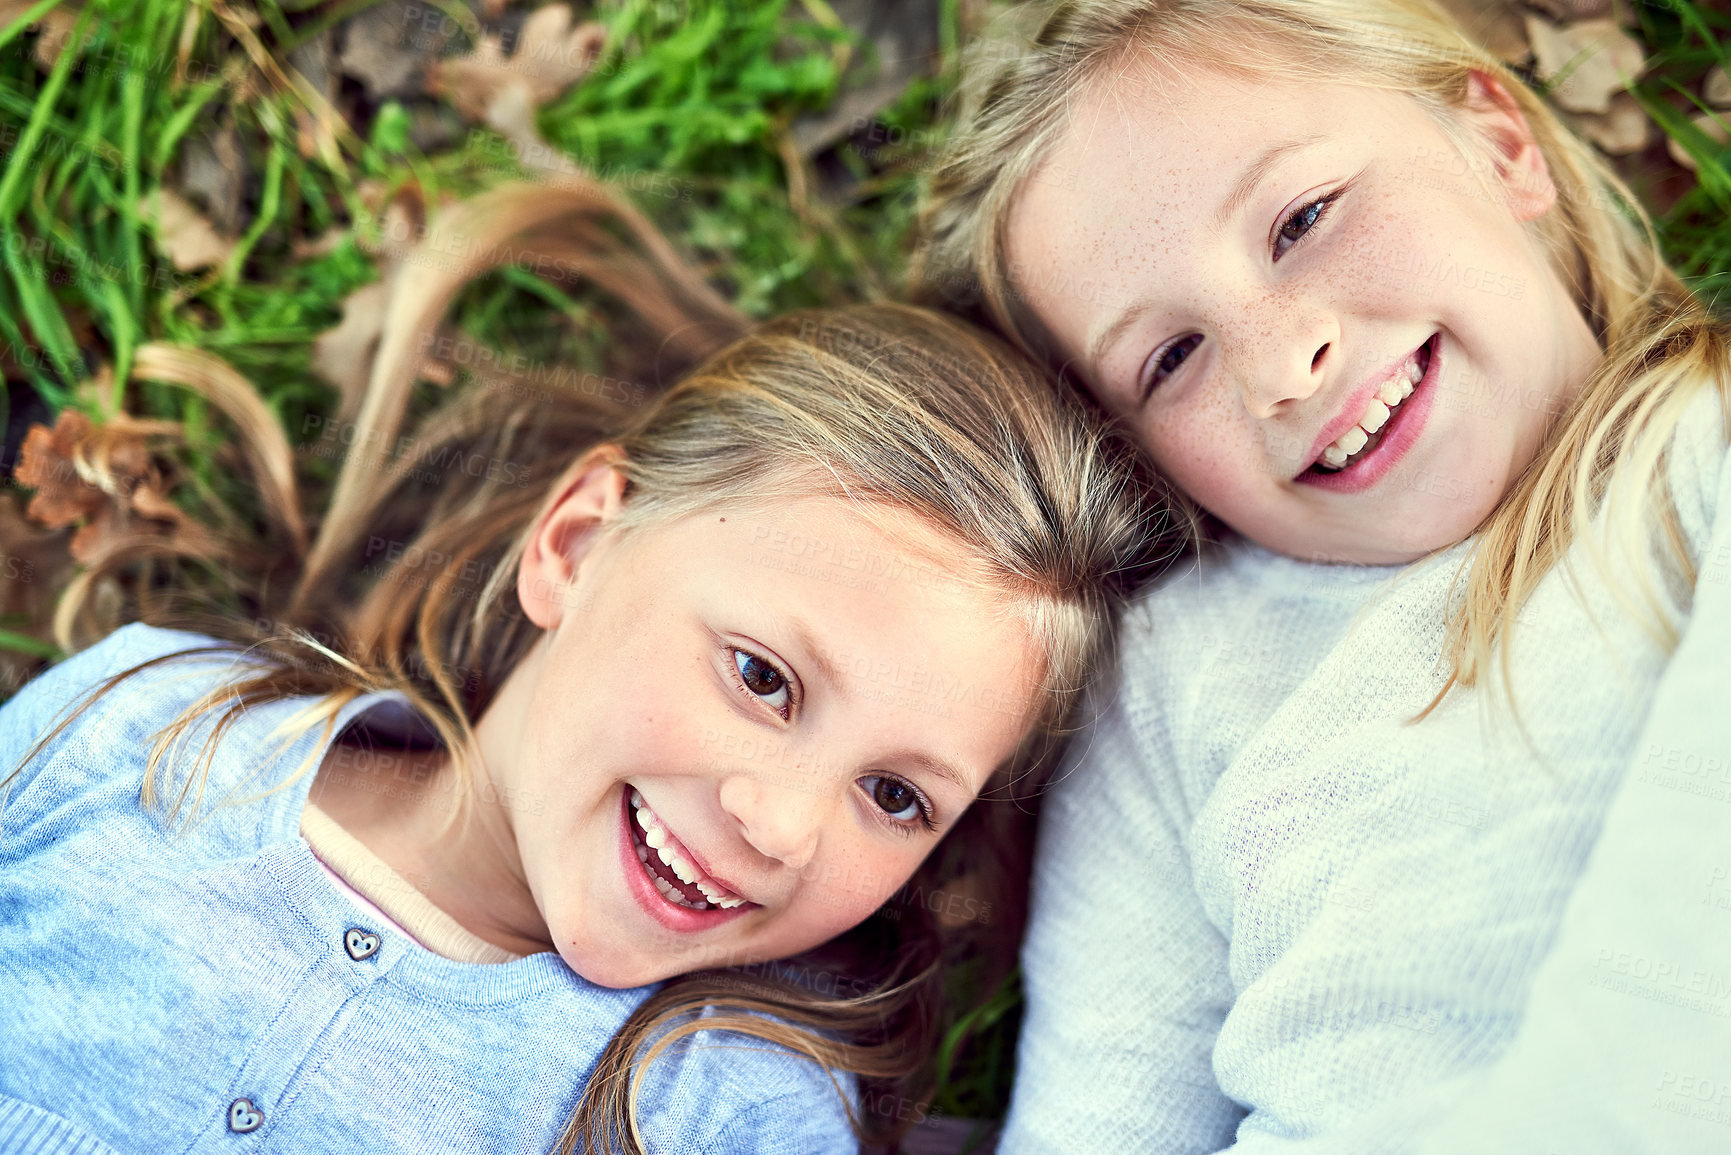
[690, 109]
[1686, 39]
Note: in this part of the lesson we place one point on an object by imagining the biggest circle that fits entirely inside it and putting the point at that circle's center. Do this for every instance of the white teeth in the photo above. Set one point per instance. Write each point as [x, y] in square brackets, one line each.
[1376, 414]
[657, 839]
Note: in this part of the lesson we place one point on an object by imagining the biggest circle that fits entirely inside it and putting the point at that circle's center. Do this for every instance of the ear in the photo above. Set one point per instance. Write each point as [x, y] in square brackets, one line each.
[1502, 127]
[587, 495]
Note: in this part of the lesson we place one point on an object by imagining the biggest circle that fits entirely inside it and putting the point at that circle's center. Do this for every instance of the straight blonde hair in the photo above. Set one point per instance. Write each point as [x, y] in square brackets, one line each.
[1604, 454]
[880, 405]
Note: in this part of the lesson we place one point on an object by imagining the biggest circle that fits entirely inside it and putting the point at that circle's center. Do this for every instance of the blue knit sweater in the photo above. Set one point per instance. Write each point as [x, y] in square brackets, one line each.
[200, 991]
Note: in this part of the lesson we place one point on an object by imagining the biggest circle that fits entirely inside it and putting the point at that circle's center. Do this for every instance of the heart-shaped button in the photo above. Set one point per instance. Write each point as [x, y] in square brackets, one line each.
[360, 944]
[243, 1116]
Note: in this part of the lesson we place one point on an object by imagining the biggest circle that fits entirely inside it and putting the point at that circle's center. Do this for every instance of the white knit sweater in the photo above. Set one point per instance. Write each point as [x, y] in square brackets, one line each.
[1269, 907]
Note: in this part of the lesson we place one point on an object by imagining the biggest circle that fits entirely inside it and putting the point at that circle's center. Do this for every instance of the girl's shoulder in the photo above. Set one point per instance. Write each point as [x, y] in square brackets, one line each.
[67, 743]
[89, 743]
[721, 1092]
[57, 693]
[1696, 465]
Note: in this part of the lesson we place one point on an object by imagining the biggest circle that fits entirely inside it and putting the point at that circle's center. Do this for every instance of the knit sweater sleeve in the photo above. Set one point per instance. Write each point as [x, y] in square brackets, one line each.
[1624, 1045]
[1126, 976]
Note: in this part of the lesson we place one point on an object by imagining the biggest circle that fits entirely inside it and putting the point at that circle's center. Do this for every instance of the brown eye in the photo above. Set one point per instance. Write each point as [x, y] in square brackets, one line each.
[894, 797]
[763, 679]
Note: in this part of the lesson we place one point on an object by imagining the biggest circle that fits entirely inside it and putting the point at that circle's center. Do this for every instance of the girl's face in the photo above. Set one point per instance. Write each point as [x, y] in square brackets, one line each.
[1319, 321]
[742, 732]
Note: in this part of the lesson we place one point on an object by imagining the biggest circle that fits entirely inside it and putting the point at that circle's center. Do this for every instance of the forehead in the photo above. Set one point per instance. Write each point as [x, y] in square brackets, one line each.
[1137, 174]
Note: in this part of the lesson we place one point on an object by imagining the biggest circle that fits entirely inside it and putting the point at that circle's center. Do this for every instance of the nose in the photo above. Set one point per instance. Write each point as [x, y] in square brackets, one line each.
[1288, 351]
[780, 822]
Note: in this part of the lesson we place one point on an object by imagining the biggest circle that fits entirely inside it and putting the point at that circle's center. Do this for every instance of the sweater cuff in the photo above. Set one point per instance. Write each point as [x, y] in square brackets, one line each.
[24, 1127]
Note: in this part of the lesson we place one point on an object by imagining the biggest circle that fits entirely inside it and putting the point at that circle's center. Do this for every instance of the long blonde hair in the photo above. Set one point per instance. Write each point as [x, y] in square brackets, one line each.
[878, 404]
[1604, 453]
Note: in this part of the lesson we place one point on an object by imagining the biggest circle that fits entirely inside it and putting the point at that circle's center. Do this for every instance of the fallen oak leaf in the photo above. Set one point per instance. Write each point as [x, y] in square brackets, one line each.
[387, 47]
[1494, 24]
[93, 473]
[1625, 129]
[512, 115]
[58, 25]
[1586, 63]
[37, 564]
[1713, 126]
[47, 463]
[1572, 9]
[344, 355]
[1717, 90]
[183, 235]
[548, 57]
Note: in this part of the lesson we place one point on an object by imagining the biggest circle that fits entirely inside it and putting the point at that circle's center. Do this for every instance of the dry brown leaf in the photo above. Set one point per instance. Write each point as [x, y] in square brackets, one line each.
[53, 29]
[1594, 59]
[550, 56]
[1566, 10]
[1625, 129]
[57, 28]
[512, 115]
[34, 563]
[182, 235]
[1713, 126]
[1496, 24]
[387, 46]
[95, 473]
[1717, 90]
[213, 169]
[306, 248]
[344, 355]
[47, 463]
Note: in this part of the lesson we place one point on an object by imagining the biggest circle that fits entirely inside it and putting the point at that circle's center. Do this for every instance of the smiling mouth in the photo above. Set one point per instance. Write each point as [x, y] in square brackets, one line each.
[1381, 415]
[669, 866]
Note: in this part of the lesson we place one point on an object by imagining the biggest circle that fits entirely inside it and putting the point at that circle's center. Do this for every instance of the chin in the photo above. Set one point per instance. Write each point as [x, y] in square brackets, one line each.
[617, 972]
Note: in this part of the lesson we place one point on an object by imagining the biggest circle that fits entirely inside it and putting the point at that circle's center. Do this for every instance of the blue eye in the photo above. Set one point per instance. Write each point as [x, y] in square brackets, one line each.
[1292, 230]
[763, 680]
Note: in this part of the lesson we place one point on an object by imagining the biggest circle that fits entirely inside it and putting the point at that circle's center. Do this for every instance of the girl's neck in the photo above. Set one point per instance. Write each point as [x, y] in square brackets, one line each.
[396, 803]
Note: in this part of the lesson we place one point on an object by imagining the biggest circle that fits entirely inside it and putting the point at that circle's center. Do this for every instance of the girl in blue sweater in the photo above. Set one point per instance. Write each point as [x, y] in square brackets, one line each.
[571, 835]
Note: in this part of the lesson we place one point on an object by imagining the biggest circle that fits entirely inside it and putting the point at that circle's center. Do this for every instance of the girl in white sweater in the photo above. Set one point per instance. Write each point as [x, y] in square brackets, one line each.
[1407, 828]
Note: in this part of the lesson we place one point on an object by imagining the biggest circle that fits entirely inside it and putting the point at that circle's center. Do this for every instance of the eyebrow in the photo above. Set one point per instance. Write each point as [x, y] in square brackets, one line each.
[807, 643]
[1253, 175]
[943, 768]
[1257, 170]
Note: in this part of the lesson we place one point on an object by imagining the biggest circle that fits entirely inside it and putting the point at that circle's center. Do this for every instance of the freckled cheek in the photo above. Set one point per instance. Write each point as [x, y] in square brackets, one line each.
[1208, 457]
